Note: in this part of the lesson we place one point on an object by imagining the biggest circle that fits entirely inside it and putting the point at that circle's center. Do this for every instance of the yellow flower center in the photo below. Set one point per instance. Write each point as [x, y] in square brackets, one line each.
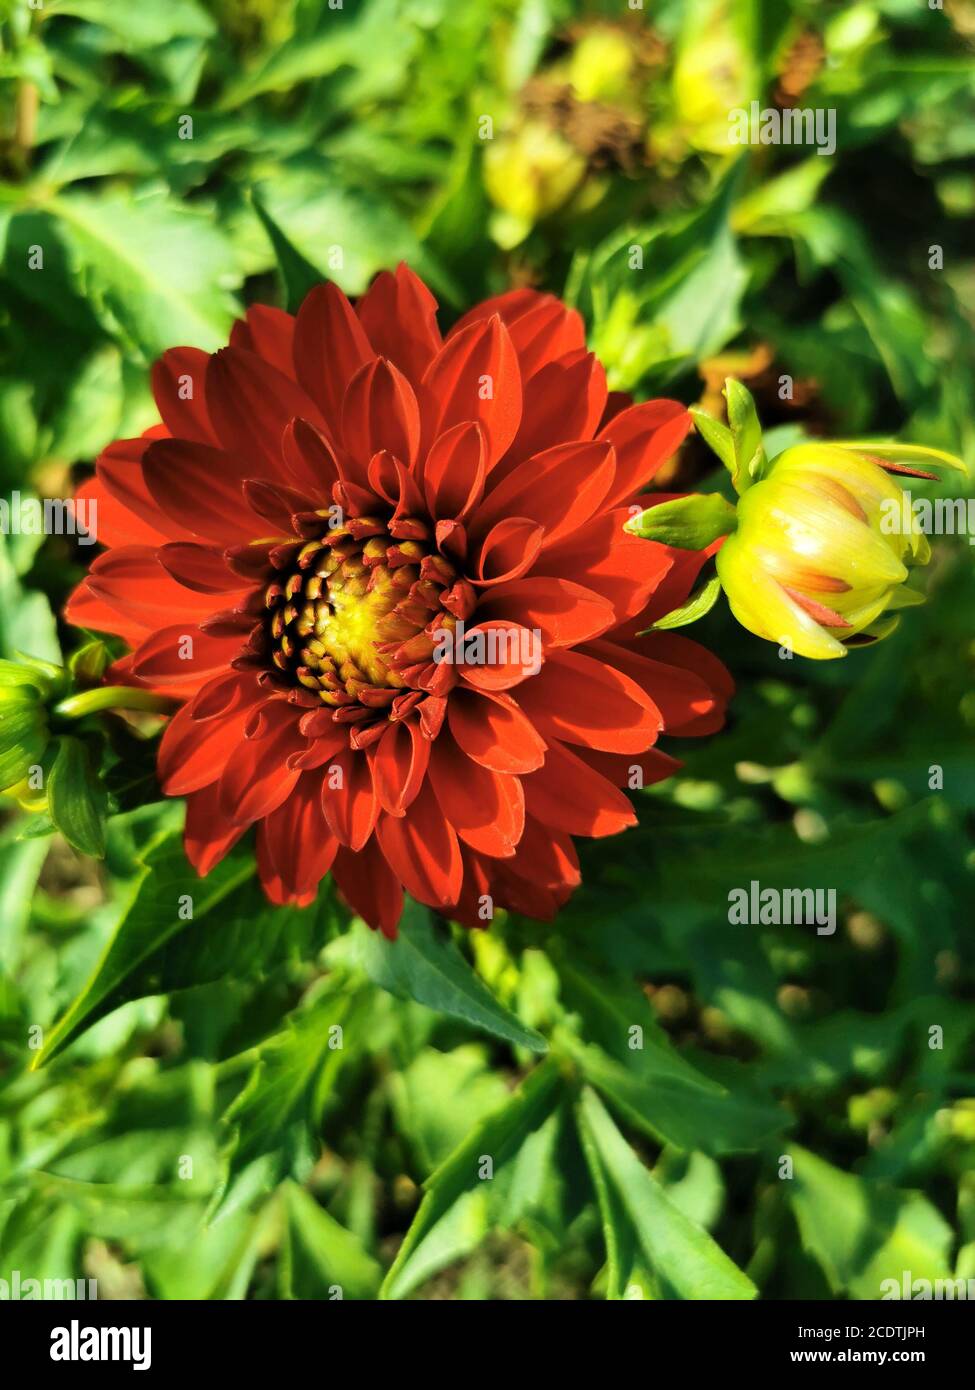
[344, 600]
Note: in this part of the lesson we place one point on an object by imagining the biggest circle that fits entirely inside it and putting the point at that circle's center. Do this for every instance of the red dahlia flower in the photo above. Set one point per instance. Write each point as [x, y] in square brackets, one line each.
[327, 497]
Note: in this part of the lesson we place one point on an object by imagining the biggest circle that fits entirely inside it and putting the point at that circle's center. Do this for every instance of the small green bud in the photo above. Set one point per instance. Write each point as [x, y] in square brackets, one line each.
[23, 728]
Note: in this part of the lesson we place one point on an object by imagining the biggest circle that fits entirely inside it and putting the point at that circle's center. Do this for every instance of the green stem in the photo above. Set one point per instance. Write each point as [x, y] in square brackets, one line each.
[113, 697]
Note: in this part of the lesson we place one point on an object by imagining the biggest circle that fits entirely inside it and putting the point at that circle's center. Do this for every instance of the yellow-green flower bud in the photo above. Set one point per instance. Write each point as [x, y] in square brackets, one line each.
[813, 563]
[602, 66]
[714, 74]
[531, 172]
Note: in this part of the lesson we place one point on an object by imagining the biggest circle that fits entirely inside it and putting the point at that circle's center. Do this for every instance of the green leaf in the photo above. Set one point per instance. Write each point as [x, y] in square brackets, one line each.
[275, 1117]
[672, 1111]
[862, 1233]
[459, 1206]
[320, 1258]
[40, 1238]
[716, 435]
[767, 210]
[626, 1274]
[746, 431]
[681, 1253]
[425, 965]
[370, 46]
[688, 523]
[440, 1095]
[27, 625]
[76, 803]
[214, 1258]
[168, 889]
[159, 272]
[20, 867]
[90, 415]
[246, 940]
[629, 1058]
[173, 938]
[297, 275]
[143, 25]
[320, 218]
[701, 601]
[679, 306]
[739, 443]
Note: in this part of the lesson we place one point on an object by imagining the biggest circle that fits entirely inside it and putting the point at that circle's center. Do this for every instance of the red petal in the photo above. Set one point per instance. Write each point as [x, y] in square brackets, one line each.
[475, 376]
[208, 835]
[298, 841]
[370, 887]
[683, 654]
[542, 328]
[475, 894]
[119, 470]
[453, 474]
[564, 613]
[159, 657]
[509, 550]
[329, 348]
[563, 402]
[616, 403]
[677, 583]
[350, 803]
[493, 730]
[380, 412]
[433, 712]
[621, 568]
[269, 333]
[487, 809]
[131, 580]
[525, 894]
[684, 651]
[644, 437]
[548, 856]
[83, 609]
[826, 617]
[223, 694]
[193, 753]
[621, 769]
[399, 764]
[275, 503]
[309, 463]
[559, 489]
[111, 522]
[396, 485]
[512, 654]
[179, 387]
[250, 403]
[257, 779]
[201, 489]
[275, 889]
[199, 567]
[399, 315]
[679, 694]
[422, 850]
[587, 701]
[571, 796]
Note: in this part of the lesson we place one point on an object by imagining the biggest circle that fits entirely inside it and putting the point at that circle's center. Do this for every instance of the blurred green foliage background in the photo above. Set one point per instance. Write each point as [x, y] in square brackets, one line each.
[190, 1126]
